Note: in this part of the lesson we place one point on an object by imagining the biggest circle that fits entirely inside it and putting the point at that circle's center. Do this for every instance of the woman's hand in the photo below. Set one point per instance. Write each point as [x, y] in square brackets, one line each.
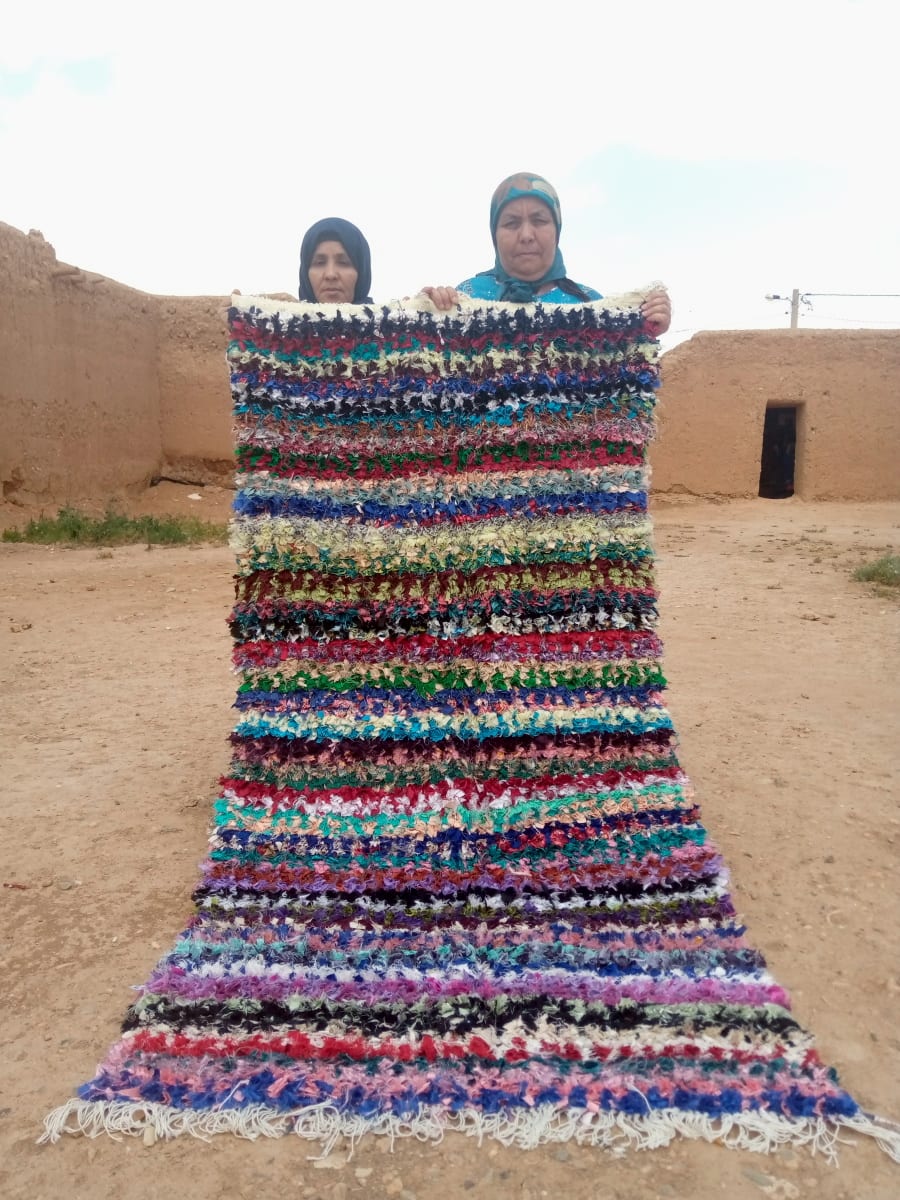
[443, 298]
[657, 310]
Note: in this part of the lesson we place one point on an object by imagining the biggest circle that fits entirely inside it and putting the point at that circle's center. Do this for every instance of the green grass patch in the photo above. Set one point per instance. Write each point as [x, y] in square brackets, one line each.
[73, 528]
[884, 571]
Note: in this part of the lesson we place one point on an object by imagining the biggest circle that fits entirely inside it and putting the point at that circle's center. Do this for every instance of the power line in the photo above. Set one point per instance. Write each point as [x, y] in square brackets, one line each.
[797, 298]
[862, 295]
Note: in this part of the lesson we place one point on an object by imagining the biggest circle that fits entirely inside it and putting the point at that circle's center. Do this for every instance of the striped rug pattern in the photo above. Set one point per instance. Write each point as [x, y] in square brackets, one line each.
[457, 878]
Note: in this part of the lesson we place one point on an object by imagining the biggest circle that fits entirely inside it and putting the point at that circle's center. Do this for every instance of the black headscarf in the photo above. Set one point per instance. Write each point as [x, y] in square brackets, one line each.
[336, 229]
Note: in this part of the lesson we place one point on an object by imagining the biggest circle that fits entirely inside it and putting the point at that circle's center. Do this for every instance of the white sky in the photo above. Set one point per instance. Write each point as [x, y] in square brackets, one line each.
[727, 148]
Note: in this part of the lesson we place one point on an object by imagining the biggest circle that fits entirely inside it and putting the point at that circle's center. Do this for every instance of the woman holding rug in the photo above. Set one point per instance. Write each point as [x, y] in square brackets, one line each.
[335, 264]
[528, 266]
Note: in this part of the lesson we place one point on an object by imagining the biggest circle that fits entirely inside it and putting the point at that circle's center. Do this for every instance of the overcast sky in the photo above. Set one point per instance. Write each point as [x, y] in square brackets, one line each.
[727, 148]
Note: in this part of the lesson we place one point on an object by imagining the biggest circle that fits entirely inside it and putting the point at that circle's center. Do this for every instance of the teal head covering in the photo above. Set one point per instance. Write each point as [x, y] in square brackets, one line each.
[524, 184]
[532, 187]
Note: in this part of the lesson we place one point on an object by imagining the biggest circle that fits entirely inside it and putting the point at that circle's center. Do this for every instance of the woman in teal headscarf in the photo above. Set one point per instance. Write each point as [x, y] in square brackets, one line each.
[528, 265]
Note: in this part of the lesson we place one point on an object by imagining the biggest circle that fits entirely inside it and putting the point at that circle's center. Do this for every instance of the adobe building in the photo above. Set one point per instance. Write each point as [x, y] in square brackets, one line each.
[104, 388]
[806, 412]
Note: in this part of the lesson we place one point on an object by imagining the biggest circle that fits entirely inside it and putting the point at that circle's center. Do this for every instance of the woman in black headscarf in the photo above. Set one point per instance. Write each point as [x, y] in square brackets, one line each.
[335, 264]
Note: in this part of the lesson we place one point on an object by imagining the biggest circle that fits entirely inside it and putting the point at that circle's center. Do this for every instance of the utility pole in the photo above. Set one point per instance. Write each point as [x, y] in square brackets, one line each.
[795, 304]
[797, 296]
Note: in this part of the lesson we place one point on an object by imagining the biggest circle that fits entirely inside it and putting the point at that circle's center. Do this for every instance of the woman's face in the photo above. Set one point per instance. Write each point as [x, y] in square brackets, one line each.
[332, 275]
[526, 238]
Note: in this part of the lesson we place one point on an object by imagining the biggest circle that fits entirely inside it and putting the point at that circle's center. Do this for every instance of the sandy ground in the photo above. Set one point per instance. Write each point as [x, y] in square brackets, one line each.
[115, 691]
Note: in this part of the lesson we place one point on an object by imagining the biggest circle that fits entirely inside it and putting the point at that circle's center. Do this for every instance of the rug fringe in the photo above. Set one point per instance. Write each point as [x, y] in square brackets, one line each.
[526, 1129]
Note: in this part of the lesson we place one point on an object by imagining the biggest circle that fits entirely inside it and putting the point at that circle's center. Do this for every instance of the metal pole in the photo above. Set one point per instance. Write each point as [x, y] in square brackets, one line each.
[795, 305]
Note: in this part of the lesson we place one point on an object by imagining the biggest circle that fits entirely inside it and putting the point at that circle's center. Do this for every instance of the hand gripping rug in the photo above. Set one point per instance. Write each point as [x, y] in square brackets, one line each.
[457, 878]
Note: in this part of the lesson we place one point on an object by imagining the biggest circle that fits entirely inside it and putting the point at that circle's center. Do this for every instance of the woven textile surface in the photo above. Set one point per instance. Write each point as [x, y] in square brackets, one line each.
[457, 878]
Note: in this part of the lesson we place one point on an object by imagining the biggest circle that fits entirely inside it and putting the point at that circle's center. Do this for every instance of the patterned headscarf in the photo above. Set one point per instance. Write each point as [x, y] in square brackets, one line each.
[514, 187]
[527, 185]
[336, 229]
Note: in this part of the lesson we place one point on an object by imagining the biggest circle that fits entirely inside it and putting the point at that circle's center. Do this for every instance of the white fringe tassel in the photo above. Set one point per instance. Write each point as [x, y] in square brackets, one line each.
[617, 1132]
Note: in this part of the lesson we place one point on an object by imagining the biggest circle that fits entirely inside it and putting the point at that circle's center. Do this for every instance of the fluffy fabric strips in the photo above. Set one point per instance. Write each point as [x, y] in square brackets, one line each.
[457, 878]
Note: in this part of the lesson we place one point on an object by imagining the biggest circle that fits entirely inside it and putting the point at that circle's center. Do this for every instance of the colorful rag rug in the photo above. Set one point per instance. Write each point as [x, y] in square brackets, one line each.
[457, 878]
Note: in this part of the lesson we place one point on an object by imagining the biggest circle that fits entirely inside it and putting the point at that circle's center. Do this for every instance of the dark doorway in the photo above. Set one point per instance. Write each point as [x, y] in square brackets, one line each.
[776, 471]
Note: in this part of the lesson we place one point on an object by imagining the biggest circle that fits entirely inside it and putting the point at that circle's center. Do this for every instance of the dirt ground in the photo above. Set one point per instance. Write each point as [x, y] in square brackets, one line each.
[115, 690]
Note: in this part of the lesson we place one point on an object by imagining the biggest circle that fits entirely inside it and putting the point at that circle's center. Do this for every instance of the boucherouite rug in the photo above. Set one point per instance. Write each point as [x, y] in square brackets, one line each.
[457, 878]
